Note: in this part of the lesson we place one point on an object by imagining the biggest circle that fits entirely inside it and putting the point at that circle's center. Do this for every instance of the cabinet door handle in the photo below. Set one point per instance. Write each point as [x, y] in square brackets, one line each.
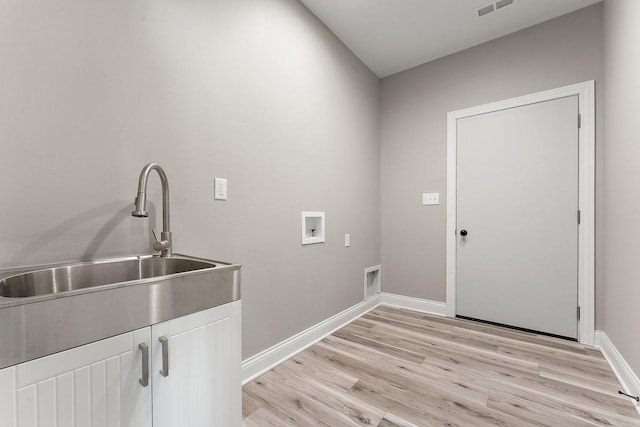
[144, 381]
[164, 341]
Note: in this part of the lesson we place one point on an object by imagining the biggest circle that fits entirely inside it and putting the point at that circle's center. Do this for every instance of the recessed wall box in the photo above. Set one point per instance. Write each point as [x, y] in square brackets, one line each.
[313, 229]
[372, 282]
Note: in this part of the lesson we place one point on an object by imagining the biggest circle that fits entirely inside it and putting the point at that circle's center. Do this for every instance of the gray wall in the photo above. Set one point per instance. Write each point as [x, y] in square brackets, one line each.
[258, 92]
[414, 106]
[621, 292]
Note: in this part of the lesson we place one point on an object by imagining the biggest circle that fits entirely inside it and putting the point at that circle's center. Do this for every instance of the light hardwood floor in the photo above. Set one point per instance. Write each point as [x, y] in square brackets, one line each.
[395, 367]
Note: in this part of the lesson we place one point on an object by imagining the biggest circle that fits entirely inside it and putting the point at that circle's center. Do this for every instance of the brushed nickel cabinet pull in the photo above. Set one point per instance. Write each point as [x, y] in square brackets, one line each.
[144, 381]
[165, 356]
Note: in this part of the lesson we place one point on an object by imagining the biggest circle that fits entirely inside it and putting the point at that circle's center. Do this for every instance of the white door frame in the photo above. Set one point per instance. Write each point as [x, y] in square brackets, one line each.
[586, 195]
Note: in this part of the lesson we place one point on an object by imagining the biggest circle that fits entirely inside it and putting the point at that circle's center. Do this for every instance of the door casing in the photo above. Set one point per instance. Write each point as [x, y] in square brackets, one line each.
[586, 197]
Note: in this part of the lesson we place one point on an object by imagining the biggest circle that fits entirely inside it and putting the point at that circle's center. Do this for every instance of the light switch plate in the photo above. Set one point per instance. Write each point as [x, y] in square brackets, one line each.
[220, 190]
[430, 199]
[347, 240]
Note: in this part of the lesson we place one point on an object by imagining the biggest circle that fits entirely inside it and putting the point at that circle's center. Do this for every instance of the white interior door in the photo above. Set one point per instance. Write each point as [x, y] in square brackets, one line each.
[517, 203]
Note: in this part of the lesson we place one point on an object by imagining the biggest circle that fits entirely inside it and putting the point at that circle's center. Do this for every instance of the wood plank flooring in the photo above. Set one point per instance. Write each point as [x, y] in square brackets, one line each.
[401, 368]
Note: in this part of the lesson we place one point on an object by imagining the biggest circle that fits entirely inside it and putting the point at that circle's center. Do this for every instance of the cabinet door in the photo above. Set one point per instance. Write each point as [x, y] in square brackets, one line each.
[8, 397]
[95, 385]
[202, 386]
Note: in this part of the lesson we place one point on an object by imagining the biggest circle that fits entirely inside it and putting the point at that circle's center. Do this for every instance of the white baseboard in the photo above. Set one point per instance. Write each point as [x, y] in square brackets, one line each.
[416, 304]
[620, 367]
[257, 365]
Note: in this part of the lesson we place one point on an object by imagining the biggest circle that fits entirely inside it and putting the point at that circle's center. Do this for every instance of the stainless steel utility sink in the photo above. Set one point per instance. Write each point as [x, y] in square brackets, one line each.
[47, 309]
[85, 275]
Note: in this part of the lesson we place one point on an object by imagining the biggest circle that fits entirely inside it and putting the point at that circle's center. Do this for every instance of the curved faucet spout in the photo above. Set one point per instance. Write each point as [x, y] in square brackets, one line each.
[141, 206]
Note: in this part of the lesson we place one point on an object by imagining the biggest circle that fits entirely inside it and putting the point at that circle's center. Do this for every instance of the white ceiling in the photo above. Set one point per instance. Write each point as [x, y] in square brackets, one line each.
[393, 35]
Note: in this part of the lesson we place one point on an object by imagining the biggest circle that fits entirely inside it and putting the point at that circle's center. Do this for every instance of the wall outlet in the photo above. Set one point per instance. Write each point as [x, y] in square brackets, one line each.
[430, 199]
[220, 189]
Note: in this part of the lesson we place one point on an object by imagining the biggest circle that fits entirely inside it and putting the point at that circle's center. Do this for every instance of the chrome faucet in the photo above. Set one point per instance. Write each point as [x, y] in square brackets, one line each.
[163, 244]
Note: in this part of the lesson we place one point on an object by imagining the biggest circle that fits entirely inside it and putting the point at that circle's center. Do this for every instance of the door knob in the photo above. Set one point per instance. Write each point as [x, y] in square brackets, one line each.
[463, 233]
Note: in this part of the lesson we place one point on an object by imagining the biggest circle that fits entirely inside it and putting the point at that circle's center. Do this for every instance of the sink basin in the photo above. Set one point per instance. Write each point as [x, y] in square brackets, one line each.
[78, 276]
[52, 308]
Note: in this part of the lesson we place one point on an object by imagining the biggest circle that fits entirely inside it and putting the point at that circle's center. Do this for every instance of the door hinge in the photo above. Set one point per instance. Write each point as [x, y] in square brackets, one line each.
[579, 121]
[578, 312]
[578, 217]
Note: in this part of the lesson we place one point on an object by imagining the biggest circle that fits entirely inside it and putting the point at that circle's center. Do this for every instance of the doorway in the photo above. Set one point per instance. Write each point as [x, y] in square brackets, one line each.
[520, 212]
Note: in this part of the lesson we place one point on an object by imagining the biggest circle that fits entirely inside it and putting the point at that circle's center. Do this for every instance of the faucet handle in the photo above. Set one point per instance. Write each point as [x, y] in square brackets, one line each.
[159, 245]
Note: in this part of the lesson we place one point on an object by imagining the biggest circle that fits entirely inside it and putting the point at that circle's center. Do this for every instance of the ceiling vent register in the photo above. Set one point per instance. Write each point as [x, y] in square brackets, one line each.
[485, 10]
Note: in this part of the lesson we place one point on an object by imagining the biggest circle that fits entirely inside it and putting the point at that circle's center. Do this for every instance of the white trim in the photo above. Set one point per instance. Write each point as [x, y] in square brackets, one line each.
[586, 203]
[262, 362]
[628, 379]
[417, 304]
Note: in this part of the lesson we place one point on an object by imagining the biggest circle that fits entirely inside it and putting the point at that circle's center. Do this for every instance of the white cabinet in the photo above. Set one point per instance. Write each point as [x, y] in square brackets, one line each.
[99, 384]
[201, 349]
[92, 385]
